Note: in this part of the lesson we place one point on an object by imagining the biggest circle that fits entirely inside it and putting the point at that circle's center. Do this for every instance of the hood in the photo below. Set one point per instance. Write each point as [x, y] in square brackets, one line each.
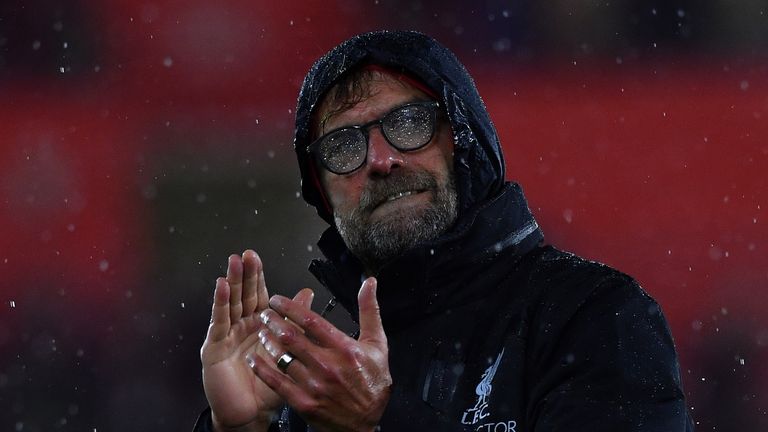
[478, 161]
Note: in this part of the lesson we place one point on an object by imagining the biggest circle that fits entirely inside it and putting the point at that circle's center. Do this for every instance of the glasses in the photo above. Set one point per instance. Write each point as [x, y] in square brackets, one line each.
[406, 128]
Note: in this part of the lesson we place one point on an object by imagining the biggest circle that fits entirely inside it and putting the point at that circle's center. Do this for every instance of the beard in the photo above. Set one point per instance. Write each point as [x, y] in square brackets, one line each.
[375, 242]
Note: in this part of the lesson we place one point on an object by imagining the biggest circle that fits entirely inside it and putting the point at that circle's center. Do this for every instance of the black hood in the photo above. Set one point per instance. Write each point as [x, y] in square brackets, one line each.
[494, 223]
[478, 161]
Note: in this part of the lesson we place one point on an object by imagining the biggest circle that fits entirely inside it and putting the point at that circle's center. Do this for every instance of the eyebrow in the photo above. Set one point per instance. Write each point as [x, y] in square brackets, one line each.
[323, 131]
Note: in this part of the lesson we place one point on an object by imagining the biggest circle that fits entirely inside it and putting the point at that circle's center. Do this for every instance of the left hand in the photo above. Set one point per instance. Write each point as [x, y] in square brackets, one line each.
[334, 382]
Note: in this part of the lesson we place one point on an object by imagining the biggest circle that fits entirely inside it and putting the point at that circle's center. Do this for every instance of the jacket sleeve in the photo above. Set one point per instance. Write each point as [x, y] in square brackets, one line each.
[287, 421]
[606, 362]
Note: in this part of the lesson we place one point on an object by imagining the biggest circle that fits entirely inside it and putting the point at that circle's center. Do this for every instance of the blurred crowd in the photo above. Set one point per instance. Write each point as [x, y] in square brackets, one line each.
[144, 141]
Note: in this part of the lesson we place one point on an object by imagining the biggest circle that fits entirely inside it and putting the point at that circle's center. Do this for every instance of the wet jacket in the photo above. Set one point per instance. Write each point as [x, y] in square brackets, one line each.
[488, 329]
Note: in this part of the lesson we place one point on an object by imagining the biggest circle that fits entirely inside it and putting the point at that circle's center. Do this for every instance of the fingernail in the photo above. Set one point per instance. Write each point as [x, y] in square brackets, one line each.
[277, 301]
[263, 336]
[264, 317]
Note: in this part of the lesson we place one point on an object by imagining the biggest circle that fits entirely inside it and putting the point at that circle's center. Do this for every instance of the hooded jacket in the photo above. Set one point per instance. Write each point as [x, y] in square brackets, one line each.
[488, 329]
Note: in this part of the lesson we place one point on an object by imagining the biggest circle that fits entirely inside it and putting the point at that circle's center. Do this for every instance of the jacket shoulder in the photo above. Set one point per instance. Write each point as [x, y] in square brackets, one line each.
[599, 345]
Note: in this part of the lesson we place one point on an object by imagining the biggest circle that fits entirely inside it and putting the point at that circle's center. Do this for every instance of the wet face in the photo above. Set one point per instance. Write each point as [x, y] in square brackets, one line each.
[396, 200]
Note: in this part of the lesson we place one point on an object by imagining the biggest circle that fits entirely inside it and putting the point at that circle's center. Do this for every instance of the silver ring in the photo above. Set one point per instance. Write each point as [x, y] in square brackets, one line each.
[284, 361]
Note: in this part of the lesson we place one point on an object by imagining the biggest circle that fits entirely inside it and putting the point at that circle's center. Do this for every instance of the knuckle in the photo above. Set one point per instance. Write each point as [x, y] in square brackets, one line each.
[315, 387]
[287, 336]
[310, 321]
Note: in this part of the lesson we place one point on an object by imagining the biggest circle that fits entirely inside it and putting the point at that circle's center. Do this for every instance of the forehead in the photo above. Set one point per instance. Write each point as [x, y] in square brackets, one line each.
[370, 99]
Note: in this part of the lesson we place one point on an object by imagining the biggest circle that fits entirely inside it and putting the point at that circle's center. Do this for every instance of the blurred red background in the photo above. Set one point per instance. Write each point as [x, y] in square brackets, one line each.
[142, 142]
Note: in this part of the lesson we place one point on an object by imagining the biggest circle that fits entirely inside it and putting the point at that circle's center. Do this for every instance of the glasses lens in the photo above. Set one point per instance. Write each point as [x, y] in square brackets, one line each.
[343, 151]
[410, 127]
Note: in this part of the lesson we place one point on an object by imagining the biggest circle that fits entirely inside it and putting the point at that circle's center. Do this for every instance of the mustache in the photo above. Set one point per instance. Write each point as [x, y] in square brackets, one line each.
[378, 191]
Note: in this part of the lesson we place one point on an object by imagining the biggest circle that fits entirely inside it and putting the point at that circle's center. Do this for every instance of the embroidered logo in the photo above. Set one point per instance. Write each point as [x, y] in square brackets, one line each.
[483, 390]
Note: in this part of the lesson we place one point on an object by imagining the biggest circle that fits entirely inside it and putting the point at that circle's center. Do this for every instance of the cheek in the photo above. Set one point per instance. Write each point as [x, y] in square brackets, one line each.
[342, 192]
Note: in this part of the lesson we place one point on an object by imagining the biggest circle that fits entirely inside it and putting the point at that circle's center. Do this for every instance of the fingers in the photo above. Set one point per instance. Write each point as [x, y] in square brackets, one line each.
[277, 381]
[297, 369]
[254, 288]
[220, 314]
[305, 297]
[284, 335]
[315, 326]
[235, 280]
[371, 329]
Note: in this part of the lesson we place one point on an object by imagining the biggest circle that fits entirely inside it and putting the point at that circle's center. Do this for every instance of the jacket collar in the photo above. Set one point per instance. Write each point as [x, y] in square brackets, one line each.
[433, 277]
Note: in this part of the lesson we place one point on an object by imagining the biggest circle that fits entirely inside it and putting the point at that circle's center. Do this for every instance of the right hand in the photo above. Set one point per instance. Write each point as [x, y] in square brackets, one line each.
[239, 400]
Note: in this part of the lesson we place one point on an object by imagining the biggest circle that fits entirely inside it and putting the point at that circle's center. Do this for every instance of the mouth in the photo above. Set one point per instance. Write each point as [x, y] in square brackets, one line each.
[394, 197]
[401, 195]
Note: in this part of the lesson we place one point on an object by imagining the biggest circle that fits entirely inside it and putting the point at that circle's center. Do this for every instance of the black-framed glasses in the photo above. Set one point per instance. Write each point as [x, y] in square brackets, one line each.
[407, 128]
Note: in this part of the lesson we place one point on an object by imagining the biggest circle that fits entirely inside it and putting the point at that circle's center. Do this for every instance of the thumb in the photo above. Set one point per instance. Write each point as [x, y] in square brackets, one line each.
[305, 297]
[371, 329]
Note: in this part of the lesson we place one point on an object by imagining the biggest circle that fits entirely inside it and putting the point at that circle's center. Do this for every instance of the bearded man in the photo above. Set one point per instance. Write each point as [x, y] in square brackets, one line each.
[468, 321]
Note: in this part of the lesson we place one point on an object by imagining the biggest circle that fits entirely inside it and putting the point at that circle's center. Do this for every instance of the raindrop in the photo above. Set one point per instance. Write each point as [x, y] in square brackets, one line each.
[309, 248]
[568, 215]
[201, 198]
[66, 45]
[19, 426]
[171, 229]
[167, 62]
[271, 154]
[680, 13]
[61, 69]
[431, 251]
[653, 11]
[103, 265]
[36, 45]
[741, 361]
[505, 13]
[744, 85]
[97, 68]
[13, 304]
[182, 305]
[697, 325]
[58, 26]
[71, 227]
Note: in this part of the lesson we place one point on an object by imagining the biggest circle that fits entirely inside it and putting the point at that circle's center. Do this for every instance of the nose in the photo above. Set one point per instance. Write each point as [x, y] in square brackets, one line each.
[382, 157]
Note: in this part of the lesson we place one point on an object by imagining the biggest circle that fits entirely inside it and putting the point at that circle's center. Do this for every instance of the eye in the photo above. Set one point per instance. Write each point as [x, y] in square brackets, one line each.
[342, 150]
[410, 126]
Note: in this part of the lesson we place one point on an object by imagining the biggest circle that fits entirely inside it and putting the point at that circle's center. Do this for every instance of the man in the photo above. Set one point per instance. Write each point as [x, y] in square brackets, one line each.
[467, 321]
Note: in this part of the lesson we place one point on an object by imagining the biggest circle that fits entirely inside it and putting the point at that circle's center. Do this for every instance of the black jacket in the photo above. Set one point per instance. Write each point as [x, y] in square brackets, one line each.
[488, 329]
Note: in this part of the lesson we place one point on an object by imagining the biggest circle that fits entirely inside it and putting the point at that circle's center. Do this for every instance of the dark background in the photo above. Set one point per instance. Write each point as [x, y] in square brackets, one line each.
[141, 142]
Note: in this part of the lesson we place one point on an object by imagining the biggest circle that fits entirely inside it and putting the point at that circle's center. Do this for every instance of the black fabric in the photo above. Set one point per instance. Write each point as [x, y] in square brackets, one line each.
[488, 329]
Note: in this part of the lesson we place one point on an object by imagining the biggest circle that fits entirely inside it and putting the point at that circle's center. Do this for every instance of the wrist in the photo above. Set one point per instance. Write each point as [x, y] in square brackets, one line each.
[258, 425]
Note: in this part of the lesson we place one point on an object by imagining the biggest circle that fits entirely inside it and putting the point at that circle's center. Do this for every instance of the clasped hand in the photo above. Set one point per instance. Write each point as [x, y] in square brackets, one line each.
[334, 382]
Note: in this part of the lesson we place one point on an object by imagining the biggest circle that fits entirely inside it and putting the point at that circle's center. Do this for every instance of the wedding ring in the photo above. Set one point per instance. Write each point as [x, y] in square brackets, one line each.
[284, 361]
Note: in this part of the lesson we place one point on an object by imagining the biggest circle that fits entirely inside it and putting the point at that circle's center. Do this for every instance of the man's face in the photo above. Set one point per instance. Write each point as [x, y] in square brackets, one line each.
[396, 199]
